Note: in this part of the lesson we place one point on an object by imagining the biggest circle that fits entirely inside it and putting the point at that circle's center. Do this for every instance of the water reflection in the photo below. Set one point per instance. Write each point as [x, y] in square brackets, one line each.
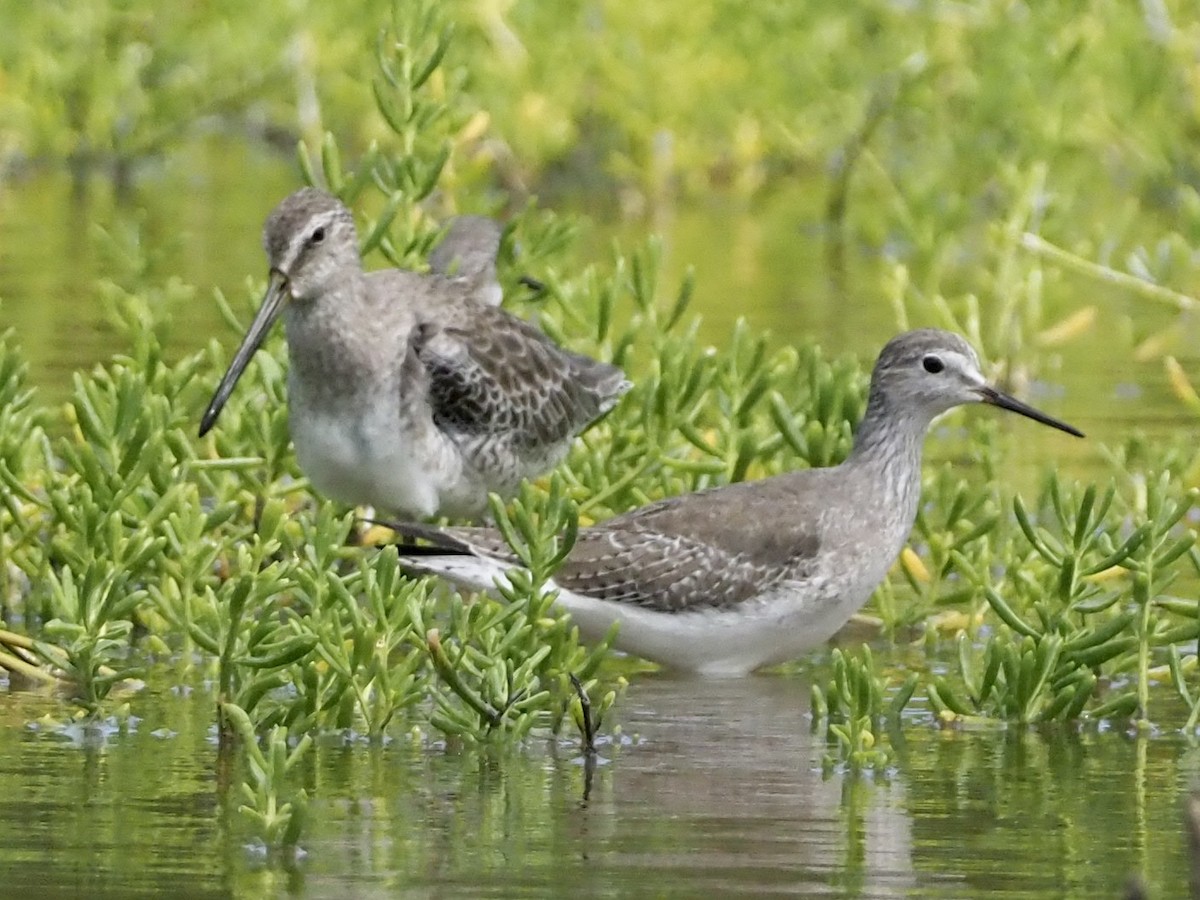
[716, 788]
[726, 791]
[132, 819]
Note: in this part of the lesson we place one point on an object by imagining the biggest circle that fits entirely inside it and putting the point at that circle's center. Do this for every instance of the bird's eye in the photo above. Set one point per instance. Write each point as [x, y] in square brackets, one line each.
[317, 236]
[933, 364]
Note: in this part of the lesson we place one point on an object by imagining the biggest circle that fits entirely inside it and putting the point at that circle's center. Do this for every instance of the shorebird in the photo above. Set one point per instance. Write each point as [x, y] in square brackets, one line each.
[407, 392]
[467, 252]
[724, 581]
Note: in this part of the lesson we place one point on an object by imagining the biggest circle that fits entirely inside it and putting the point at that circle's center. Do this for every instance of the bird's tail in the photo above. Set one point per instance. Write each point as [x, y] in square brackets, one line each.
[445, 555]
[438, 542]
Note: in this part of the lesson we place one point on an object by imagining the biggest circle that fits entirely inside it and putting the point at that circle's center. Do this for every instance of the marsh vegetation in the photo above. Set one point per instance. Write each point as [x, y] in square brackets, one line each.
[1021, 174]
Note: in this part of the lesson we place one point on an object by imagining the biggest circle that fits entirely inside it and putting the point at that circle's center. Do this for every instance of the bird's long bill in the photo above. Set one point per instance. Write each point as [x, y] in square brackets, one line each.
[272, 306]
[1004, 401]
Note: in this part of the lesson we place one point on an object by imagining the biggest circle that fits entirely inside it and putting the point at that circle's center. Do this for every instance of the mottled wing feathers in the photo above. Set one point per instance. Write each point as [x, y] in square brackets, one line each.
[491, 374]
[669, 573]
[673, 556]
[687, 552]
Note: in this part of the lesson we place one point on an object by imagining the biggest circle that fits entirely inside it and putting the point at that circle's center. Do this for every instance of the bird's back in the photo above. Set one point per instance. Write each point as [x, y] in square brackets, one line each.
[493, 374]
[493, 386]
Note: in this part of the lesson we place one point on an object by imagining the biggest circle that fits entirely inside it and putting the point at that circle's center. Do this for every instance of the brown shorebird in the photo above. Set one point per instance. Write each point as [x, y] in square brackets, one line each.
[409, 392]
[727, 580]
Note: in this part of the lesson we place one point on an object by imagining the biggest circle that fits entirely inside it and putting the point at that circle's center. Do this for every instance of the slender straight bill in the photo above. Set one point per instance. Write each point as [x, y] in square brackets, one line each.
[272, 306]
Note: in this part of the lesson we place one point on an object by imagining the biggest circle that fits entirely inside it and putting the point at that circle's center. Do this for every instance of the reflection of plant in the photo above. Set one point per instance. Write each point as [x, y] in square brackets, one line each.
[276, 823]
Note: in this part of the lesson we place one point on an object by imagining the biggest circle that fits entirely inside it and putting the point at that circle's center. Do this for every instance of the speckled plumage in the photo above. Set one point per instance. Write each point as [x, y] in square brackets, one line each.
[407, 392]
[733, 578]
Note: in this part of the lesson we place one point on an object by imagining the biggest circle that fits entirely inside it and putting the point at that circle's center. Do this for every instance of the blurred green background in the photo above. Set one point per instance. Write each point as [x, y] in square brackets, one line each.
[833, 170]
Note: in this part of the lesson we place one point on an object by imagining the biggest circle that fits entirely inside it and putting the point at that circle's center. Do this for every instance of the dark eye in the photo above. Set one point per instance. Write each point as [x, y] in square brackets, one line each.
[933, 364]
[317, 236]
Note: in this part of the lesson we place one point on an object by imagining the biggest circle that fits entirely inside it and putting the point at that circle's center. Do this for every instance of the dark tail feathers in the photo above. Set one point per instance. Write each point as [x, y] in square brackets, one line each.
[439, 542]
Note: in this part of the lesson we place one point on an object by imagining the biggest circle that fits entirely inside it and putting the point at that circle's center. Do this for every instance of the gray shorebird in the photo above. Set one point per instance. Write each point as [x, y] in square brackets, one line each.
[467, 252]
[407, 392]
[726, 580]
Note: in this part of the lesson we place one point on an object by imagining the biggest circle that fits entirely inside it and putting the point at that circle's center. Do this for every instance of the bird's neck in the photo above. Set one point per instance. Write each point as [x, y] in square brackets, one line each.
[333, 339]
[889, 442]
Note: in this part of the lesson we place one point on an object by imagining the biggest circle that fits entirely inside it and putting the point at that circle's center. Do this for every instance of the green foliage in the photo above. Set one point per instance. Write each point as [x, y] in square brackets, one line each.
[221, 560]
[1062, 626]
[364, 672]
[955, 535]
[695, 417]
[21, 441]
[510, 664]
[955, 148]
[854, 710]
[124, 523]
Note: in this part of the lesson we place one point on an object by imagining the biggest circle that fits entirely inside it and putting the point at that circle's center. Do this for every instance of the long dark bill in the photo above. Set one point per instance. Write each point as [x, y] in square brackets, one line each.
[1004, 401]
[272, 306]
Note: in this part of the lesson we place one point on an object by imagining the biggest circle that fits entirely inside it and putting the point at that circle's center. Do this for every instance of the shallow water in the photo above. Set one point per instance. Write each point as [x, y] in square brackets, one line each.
[711, 787]
[714, 787]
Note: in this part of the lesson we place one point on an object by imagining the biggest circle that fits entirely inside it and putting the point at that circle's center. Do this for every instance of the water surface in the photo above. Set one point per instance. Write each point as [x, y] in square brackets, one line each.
[714, 788]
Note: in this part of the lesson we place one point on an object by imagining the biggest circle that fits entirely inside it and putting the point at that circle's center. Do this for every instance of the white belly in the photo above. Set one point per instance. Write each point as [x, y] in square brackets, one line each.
[718, 642]
[787, 621]
[364, 462]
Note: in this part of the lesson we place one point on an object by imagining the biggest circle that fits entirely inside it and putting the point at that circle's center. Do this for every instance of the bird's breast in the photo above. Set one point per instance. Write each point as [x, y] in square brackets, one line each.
[362, 451]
